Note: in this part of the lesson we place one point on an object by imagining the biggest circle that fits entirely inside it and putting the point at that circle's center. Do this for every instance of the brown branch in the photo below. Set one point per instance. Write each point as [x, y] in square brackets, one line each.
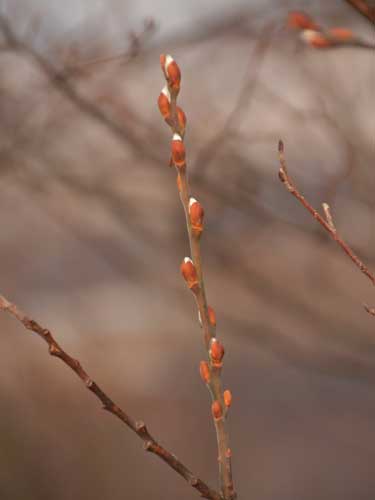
[193, 273]
[363, 8]
[326, 223]
[139, 427]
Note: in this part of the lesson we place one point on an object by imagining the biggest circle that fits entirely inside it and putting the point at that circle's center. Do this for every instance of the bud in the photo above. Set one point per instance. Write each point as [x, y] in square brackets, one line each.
[302, 21]
[216, 353]
[315, 39]
[178, 151]
[164, 103]
[341, 34]
[171, 71]
[181, 120]
[189, 273]
[227, 398]
[216, 409]
[211, 316]
[204, 371]
[196, 213]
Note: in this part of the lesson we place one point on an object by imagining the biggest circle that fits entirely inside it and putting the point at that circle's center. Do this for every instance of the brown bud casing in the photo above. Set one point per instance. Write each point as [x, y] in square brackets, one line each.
[196, 213]
[227, 398]
[204, 371]
[178, 151]
[189, 273]
[216, 409]
[216, 353]
[211, 316]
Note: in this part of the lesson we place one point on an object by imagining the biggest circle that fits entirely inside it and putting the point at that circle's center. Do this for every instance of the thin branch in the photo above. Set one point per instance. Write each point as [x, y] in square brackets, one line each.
[139, 427]
[193, 273]
[363, 8]
[327, 224]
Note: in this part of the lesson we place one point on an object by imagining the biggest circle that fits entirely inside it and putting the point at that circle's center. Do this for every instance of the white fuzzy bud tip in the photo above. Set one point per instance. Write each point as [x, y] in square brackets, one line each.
[176, 137]
[168, 60]
[166, 92]
[192, 201]
[308, 35]
[187, 259]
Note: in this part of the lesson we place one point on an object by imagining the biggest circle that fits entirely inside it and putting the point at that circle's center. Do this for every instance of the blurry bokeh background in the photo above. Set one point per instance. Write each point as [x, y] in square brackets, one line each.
[92, 236]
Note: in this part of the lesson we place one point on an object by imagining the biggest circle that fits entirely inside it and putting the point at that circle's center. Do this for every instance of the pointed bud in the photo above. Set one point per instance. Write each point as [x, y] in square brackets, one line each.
[302, 21]
[227, 398]
[204, 371]
[211, 316]
[315, 39]
[178, 151]
[341, 34]
[189, 273]
[216, 409]
[216, 353]
[196, 213]
[164, 101]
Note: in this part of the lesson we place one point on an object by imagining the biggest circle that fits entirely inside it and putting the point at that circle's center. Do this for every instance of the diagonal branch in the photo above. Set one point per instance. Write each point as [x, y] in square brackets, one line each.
[139, 427]
[326, 223]
[363, 7]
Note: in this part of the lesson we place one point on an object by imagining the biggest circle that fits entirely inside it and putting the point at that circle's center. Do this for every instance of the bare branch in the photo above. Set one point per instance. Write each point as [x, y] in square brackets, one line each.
[328, 226]
[363, 8]
[139, 427]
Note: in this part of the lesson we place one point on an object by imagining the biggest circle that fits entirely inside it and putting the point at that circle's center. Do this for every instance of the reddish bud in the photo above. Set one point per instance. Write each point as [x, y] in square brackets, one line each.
[178, 151]
[216, 409]
[171, 71]
[341, 34]
[164, 101]
[228, 453]
[204, 371]
[181, 119]
[189, 273]
[196, 213]
[216, 353]
[315, 39]
[227, 398]
[302, 21]
[211, 316]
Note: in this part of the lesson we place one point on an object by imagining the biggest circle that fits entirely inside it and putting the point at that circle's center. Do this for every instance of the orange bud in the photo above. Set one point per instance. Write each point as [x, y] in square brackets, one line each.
[164, 101]
[204, 371]
[300, 20]
[228, 453]
[178, 151]
[181, 119]
[227, 397]
[315, 39]
[189, 273]
[196, 213]
[211, 316]
[171, 71]
[341, 34]
[216, 409]
[216, 353]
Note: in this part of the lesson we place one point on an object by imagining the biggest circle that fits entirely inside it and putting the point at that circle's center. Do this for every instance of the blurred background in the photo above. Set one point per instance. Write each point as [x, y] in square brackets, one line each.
[93, 235]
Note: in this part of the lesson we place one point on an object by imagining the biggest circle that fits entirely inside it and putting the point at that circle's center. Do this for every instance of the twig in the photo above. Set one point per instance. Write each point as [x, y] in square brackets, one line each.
[327, 223]
[193, 274]
[363, 8]
[139, 427]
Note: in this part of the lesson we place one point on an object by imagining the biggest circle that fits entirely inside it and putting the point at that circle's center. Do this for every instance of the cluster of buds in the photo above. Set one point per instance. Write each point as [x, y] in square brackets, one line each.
[189, 273]
[216, 353]
[314, 36]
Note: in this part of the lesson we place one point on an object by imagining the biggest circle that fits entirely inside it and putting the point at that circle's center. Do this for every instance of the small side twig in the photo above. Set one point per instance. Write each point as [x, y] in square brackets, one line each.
[363, 7]
[327, 222]
[139, 427]
[192, 272]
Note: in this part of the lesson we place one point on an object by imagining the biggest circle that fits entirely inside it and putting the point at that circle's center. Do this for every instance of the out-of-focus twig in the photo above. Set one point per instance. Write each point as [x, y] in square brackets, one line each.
[363, 8]
[139, 427]
[326, 223]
